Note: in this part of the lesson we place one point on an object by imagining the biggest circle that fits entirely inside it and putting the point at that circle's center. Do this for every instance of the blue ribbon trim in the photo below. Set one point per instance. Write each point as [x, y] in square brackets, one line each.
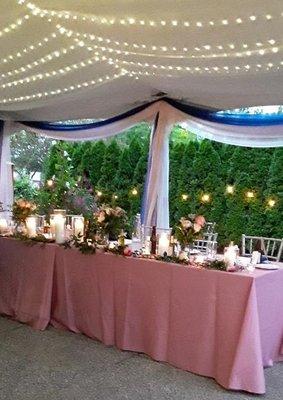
[205, 114]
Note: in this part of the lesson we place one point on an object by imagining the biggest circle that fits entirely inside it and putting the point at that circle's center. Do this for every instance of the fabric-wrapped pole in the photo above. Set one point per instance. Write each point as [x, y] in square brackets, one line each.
[6, 175]
[156, 193]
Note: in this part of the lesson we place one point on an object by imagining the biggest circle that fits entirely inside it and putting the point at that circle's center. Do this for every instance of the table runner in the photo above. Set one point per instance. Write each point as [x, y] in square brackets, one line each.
[212, 323]
[26, 279]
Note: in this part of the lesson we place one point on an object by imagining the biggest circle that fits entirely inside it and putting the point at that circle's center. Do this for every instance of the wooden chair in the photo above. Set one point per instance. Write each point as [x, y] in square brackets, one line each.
[271, 247]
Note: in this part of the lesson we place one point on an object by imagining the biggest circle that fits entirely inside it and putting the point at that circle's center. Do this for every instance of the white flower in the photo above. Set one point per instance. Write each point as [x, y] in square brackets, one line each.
[185, 223]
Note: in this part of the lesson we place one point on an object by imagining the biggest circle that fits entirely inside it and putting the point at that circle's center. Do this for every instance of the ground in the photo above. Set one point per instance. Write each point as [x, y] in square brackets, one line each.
[60, 365]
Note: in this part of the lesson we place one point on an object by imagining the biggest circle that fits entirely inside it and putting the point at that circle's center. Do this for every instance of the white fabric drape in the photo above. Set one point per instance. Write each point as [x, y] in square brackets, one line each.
[248, 136]
[156, 210]
[6, 174]
[156, 206]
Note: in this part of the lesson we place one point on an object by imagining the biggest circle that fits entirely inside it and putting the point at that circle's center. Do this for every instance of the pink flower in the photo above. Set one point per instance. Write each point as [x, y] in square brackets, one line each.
[200, 220]
[101, 216]
[197, 227]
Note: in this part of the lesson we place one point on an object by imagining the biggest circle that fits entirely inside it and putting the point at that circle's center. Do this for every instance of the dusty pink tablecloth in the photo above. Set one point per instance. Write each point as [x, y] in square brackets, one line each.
[223, 325]
[26, 279]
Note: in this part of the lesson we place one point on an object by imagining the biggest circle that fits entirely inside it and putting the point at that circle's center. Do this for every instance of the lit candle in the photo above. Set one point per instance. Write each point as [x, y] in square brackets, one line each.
[59, 222]
[52, 226]
[146, 249]
[163, 244]
[79, 227]
[31, 226]
[230, 256]
[3, 225]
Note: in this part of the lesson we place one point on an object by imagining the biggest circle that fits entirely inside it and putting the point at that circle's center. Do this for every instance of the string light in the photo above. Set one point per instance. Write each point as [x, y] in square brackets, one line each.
[43, 60]
[29, 49]
[205, 198]
[15, 25]
[271, 202]
[163, 49]
[71, 88]
[185, 197]
[61, 71]
[134, 192]
[50, 182]
[131, 20]
[250, 194]
[230, 189]
[99, 194]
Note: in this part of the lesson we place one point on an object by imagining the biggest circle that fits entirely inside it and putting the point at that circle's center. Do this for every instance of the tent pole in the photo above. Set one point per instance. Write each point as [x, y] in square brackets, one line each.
[6, 175]
[156, 196]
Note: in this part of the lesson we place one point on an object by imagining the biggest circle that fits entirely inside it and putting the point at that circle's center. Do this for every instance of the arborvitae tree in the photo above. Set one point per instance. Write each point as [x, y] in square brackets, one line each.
[225, 152]
[60, 169]
[109, 167]
[77, 156]
[176, 153]
[135, 153]
[207, 160]
[52, 159]
[274, 191]
[123, 179]
[185, 181]
[95, 161]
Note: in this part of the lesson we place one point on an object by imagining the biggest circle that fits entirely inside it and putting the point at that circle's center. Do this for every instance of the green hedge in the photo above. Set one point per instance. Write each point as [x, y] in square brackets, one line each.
[117, 166]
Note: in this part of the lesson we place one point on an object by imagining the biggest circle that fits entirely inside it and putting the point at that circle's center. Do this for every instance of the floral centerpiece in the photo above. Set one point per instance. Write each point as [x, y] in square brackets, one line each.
[110, 221]
[22, 209]
[189, 229]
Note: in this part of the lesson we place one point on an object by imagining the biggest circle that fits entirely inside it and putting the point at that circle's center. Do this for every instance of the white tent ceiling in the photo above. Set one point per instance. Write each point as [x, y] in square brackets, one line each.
[66, 59]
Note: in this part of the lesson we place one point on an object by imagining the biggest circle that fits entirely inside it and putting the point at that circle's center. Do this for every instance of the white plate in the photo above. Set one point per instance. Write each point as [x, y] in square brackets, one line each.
[268, 266]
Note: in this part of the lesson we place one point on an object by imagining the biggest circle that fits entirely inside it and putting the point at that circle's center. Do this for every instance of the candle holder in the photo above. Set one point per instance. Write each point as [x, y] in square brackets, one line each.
[31, 225]
[3, 226]
[78, 223]
[163, 241]
[57, 225]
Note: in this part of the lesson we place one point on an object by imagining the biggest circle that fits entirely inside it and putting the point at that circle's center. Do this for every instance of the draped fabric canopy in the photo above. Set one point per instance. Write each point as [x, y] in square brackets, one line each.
[67, 59]
[123, 62]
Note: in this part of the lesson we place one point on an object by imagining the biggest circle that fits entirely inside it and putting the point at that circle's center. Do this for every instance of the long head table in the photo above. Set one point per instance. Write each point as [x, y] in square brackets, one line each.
[223, 325]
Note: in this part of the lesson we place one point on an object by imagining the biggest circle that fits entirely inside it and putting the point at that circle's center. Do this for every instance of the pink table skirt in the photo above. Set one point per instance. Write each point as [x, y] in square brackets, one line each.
[223, 325]
[26, 279]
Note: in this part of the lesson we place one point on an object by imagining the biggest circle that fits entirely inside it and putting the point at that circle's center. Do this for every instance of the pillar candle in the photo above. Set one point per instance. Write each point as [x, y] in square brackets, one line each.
[3, 225]
[79, 227]
[163, 243]
[52, 226]
[59, 222]
[31, 226]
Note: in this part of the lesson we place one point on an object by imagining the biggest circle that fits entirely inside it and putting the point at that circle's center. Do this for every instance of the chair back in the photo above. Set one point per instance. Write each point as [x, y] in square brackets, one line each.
[271, 247]
[205, 245]
[209, 227]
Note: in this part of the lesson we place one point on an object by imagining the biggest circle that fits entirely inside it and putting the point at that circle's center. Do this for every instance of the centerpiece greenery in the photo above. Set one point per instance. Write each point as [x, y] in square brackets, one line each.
[22, 209]
[189, 229]
[110, 221]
